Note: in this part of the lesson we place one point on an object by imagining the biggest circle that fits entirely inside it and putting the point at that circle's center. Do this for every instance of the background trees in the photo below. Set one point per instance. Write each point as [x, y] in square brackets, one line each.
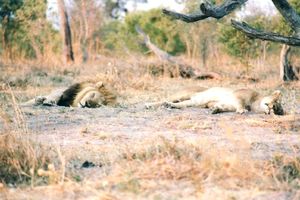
[86, 19]
[238, 45]
[9, 24]
[27, 32]
[161, 30]
[210, 10]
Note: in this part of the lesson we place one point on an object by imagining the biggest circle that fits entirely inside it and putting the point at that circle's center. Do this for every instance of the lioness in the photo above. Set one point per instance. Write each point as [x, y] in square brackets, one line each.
[228, 100]
[82, 95]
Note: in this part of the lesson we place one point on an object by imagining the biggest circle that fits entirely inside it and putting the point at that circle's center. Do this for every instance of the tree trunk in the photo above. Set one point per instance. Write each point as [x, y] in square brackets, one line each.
[287, 72]
[4, 47]
[84, 40]
[265, 43]
[36, 49]
[66, 32]
[204, 49]
[5, 42]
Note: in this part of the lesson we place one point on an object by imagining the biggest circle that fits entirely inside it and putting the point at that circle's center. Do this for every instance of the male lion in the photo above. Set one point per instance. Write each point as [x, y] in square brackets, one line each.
[81, 95]
[228, 100]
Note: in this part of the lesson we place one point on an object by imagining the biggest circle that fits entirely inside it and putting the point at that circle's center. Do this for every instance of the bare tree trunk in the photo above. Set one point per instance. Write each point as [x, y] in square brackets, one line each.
[37, 51]
[4, 47]
[188, 47]
[66, 32]
[204, 49]
[265, 43]
[286, 69]
[5, 42]
[84, 40]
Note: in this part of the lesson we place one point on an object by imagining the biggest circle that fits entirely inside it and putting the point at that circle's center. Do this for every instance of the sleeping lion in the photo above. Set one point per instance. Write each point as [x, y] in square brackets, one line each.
[220, 99]
[83, 95]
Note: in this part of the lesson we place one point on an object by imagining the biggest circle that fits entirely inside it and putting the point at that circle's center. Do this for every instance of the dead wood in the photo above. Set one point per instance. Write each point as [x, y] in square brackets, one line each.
[171, 64]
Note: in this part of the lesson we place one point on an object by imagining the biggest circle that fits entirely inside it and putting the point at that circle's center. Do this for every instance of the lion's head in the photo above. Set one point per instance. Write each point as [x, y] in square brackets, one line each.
[272, 104]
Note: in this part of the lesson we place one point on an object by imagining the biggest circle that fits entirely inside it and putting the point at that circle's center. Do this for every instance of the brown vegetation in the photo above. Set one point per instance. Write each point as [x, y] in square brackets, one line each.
[146, 154]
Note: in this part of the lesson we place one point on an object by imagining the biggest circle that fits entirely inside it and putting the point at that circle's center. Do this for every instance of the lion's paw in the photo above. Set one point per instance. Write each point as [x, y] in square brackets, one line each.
[216, 110]
[241, 111]
[39, 100]
[168, 105]
[149, 106]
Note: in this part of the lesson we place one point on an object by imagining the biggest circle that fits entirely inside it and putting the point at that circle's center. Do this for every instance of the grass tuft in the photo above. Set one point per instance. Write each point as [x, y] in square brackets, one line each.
[20, 159]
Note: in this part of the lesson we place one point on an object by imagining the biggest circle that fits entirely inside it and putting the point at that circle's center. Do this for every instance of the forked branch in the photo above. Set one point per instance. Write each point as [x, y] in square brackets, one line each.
[269, 36]
[207, 10]
[220, 11]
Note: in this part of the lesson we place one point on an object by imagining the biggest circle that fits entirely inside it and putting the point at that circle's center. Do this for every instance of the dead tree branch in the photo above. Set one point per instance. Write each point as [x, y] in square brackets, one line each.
[162, 55]
[255, 33]
[185, 70]
[289, 14]
[207, 10]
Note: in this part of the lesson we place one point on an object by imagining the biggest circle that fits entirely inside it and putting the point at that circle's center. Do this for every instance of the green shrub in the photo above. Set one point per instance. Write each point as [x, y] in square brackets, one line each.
[238, 44]
[163, 32]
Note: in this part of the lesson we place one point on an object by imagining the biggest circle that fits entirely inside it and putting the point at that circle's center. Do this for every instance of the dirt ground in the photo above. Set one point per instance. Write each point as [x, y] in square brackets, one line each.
[110, 139]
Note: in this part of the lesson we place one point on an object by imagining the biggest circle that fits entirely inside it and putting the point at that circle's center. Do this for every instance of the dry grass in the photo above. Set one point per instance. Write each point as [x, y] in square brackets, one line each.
[20, 159]
[23, 161]
[148, 168]
[175, 160]
[183, 168]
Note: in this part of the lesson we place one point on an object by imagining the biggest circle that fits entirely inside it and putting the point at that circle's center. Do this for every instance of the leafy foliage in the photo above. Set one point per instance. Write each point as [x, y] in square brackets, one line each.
[8, 8]
[8, 23]
[163, 32]
[238, 45]
[25, 29]
[280, 25]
